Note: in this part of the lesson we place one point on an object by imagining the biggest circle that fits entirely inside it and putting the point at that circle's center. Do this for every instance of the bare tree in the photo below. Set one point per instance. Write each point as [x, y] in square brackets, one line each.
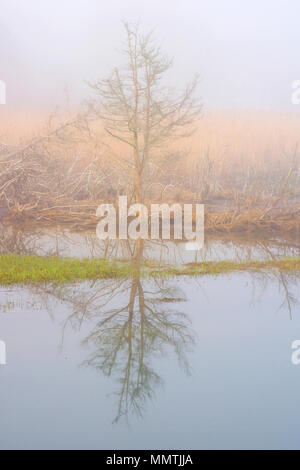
[137, 109]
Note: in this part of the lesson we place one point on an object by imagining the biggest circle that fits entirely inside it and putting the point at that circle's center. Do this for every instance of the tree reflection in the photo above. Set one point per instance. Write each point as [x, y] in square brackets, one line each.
[134, 322]
[127, 338]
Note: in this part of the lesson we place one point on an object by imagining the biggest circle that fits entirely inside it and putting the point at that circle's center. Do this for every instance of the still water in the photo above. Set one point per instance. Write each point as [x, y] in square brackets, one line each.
[186, 363]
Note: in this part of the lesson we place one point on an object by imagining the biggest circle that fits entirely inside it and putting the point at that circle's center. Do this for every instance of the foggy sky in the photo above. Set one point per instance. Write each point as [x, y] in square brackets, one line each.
[247, 52]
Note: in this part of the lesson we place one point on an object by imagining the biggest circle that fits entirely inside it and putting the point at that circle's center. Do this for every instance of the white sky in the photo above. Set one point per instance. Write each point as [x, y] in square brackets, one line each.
[246, 51]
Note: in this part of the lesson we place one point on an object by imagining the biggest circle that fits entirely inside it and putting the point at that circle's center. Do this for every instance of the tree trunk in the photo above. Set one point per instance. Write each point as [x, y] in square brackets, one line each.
[138, 188]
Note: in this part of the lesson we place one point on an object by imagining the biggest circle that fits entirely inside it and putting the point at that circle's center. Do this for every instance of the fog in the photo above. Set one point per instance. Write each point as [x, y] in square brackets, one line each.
[247, 53]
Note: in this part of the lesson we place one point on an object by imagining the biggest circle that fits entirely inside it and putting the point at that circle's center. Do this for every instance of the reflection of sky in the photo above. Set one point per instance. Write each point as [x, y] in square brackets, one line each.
[243, 390]
[246, 52]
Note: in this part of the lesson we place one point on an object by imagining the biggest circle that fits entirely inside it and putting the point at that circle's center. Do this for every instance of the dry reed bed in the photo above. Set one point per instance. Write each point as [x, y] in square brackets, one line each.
[243, 166]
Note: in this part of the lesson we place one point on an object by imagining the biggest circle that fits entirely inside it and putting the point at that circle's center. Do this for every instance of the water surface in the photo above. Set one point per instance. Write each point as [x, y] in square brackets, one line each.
[184, 363]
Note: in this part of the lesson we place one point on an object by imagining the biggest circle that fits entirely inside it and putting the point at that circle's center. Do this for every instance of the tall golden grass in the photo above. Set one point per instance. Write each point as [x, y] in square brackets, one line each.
[243, 164]
[238, 136]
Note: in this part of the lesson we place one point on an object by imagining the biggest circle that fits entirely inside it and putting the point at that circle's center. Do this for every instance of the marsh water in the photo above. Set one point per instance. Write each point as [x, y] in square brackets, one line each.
[182, 363]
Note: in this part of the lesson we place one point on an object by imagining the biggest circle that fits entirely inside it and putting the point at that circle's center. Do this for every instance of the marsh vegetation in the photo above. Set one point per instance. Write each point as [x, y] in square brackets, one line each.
[136, 137]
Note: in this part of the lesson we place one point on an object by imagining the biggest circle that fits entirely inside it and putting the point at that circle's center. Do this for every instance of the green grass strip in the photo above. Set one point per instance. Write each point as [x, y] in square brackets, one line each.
[17, 269]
